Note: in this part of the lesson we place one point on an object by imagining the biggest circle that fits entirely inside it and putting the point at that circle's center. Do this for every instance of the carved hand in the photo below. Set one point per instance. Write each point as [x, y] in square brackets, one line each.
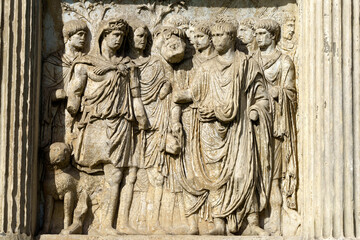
[59, 94]
[182, 96]
[253, 115]
[143, 123]
[274, 92]
[177, 130]
[165, 90]
[207, 114]
[72, 110]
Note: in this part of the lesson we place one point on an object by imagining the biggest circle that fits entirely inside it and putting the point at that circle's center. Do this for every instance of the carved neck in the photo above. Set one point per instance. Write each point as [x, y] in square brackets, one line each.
[136, 53]
[269, 49]
[251, 45]
[229, 54]
[107, 52]
[71, 51]
[206, 52]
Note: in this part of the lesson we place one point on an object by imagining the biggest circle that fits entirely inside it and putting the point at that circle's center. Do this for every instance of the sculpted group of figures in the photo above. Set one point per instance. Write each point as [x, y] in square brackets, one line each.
[205, 109]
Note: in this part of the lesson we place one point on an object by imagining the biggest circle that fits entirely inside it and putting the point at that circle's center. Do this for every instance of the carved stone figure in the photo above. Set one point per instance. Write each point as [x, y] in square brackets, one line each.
[155, 83]
[60, 183]
[139, 47]
[246, 35]
[288, 42]
[170, 126]
[228, 96]
[183, 113]
[279, 73]
[105, 93]
[56, 121]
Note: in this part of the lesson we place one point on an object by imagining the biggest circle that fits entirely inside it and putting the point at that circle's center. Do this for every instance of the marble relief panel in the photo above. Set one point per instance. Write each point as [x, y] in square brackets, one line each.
[170, 117]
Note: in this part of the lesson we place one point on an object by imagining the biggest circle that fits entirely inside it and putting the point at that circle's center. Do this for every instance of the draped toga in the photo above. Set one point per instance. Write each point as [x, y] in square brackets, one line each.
[224, 155]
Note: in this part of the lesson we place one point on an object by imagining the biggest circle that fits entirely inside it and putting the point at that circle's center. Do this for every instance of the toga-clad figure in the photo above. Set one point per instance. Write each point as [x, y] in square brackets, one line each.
[229, 98]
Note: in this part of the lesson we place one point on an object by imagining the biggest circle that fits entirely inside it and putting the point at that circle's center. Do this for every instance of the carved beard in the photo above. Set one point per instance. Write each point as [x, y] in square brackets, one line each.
[173, 51]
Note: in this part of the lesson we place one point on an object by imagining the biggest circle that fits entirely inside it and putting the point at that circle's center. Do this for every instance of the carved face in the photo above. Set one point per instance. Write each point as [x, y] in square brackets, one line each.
[264, 38]
[222, 41]
[201, 41]
[190, 34]
[78, 39]
[140, 38]
[245, 34]
[289, 30]
[59, 155]
[173, 49]
[114, 39]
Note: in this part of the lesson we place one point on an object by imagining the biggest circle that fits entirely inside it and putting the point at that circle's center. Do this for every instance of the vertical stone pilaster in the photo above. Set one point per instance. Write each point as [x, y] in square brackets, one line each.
[19, 103]
[329, 108]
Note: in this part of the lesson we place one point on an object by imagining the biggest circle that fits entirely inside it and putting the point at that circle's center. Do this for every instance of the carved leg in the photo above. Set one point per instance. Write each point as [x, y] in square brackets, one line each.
[142, 218]
[125, 202]
[275, 208]
[219, 228]
[193, 223]
[69, 200]
[79, 215]
[254, 229]
[113, 177]
[49, 207]
[184, 220]
[157, 180]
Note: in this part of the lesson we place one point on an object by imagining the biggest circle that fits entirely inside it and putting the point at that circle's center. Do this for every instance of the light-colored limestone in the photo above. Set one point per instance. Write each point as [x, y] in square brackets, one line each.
[321, 198]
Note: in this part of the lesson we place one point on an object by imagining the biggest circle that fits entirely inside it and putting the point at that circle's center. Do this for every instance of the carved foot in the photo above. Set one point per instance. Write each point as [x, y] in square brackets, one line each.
[126, 229]
[219, 229]
[142, 229]
[157, 230]
[258, 231]
[74, 228]
[109, 231]
[193, 230]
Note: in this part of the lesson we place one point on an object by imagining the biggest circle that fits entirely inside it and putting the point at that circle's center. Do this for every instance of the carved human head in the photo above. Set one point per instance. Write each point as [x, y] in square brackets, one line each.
[75, 32]
[170, 42]
[201, 36]
[59, 155]
[267, 32]
[178, 21]
[113, 32]
[138, 34]
[223, 35]
[288, 27]
[246, 30]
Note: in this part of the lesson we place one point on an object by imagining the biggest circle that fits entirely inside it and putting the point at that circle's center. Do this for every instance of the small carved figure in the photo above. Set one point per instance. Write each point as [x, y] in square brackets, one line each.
[288, 42]
[279, 73]
[60, 183]
[105, 92]
[246, 35]
[56, 121]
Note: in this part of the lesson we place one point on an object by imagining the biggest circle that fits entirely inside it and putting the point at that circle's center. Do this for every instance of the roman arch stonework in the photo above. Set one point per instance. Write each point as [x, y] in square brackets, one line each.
[144, 119]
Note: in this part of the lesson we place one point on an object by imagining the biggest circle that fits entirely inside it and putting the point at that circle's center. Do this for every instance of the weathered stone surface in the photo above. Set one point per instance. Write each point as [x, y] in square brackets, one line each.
[165, 118]
[187, 120]
[136, 237]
